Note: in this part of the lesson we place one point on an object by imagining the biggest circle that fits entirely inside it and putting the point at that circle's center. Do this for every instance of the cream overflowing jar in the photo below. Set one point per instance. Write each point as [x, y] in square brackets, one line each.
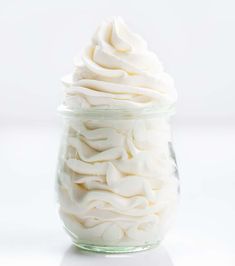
[117, 181]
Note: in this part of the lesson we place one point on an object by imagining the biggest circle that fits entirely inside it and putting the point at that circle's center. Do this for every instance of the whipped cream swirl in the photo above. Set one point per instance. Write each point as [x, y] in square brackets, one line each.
[118, 71]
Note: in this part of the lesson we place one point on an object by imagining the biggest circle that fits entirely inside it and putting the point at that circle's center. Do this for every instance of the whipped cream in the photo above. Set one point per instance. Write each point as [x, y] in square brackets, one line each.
[118, 70]
[116, 177]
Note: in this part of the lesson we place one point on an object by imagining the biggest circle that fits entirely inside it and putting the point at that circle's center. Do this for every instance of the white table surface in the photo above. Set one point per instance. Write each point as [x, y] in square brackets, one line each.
[30, 230]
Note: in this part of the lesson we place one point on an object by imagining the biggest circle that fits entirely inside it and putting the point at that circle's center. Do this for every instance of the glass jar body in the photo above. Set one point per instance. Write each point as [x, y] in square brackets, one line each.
[117, 182]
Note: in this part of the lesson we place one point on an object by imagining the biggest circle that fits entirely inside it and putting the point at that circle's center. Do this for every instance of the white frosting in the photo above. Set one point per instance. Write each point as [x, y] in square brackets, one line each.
[116, 177]
[117, 70]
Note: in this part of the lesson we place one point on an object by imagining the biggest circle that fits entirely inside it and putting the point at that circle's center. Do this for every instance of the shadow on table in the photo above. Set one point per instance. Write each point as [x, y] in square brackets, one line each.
[155, 257]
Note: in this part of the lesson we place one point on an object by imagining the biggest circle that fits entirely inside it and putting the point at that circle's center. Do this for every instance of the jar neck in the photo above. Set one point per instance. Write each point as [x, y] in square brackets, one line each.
[117, 113]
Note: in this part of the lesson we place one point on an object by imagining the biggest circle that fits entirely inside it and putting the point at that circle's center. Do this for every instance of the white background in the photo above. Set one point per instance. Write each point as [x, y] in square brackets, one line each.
[195, 40]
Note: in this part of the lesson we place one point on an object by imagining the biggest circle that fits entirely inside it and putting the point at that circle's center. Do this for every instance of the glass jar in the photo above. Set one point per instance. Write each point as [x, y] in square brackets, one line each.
[117, 181]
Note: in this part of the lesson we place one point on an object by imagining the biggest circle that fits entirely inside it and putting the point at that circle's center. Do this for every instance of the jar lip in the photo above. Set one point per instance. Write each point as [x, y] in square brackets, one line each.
[107, 113]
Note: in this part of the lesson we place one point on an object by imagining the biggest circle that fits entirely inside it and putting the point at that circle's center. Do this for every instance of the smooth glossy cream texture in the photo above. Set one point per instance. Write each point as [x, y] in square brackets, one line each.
[116, 176]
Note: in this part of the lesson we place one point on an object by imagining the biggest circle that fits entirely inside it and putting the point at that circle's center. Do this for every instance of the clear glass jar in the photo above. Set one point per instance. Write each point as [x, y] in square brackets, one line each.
[117, 181]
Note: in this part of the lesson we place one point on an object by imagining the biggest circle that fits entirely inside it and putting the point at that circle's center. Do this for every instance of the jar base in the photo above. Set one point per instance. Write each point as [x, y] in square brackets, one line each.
[114, 249]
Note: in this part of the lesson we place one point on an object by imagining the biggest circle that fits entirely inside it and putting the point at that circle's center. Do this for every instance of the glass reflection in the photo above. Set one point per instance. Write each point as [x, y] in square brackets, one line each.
[155, 257]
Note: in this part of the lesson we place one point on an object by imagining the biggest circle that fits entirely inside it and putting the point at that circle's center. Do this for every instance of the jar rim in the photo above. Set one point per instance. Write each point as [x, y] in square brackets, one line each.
[117, 113]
